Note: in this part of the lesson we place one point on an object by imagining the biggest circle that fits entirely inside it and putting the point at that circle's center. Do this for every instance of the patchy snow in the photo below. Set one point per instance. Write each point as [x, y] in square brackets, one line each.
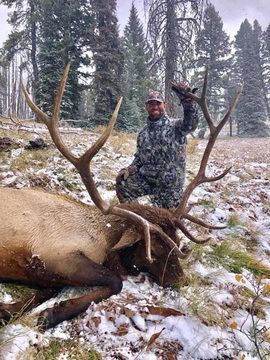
[16, 339]
[209, 317]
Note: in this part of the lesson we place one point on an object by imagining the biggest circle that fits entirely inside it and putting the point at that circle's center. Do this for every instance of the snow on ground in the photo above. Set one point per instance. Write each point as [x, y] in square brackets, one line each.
[215, 314]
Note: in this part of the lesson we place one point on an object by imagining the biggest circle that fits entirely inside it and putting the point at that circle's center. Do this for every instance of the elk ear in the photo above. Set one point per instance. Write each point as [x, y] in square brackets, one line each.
[129, 238]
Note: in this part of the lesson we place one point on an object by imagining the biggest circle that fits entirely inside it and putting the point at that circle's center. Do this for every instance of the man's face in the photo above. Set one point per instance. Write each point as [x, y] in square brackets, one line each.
[155, 109]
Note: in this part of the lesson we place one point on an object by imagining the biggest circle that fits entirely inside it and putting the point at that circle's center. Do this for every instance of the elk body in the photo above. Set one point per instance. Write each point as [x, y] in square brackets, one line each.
[50, 240]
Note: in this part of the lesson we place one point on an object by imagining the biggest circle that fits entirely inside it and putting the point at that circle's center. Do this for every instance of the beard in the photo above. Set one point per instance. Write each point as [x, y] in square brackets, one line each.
[155, 115]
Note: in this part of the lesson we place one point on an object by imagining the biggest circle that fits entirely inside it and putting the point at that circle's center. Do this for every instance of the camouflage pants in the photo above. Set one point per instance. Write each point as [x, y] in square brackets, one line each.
[161, 195]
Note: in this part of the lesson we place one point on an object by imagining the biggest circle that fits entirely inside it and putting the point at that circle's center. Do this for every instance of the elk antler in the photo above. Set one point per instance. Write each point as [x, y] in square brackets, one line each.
[181, 211]
[82, 164]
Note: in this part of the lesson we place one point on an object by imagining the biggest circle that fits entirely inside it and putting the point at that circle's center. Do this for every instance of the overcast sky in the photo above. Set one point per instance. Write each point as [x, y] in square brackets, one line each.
[232, 12]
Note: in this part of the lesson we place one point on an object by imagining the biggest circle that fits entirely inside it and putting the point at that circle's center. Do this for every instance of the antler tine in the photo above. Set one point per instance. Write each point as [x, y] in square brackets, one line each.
[103, 138]
[59, 95]
[147, 229]
[205, 83]
[203, 103]
[202, 100]
[83, 164]
[170, 242]
[185, 231]
[202, 223]
[231, 108]
[40, 114]
[52, 122]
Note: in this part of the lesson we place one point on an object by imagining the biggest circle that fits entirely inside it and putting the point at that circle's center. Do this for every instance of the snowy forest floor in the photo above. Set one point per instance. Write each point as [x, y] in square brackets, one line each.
[220, 308]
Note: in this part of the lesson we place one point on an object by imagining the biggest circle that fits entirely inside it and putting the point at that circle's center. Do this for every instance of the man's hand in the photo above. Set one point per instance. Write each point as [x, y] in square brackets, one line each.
[182, 90]
[124, 173]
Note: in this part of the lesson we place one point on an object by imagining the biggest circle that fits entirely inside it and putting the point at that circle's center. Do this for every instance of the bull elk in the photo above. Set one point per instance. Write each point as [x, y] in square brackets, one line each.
[51, 241]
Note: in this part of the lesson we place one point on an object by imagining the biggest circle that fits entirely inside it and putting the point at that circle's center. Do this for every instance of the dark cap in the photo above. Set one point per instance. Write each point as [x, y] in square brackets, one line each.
[154, 95]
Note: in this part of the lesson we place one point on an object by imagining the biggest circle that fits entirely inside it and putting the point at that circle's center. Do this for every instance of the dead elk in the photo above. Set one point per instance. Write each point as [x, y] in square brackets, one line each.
[52, 241]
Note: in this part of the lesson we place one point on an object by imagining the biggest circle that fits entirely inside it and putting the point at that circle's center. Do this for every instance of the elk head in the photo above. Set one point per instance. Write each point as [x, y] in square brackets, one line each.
[164, 266]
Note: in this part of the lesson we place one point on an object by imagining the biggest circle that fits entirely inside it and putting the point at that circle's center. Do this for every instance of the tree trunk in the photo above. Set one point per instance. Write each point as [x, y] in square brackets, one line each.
[170, 59]
[34, 47]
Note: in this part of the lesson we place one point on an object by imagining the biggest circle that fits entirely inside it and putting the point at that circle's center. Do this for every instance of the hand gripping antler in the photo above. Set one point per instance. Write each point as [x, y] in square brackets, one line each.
[181, 211]
[82, 164]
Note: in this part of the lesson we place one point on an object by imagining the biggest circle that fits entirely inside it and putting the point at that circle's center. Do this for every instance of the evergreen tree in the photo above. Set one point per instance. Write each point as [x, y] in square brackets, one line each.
[172, 25]
[266, 66]
[25, 21]
[251, 115]
[2, 90]
[63, 39]
[213, 47]
[258, 50]
[108, 59]
[136, 78]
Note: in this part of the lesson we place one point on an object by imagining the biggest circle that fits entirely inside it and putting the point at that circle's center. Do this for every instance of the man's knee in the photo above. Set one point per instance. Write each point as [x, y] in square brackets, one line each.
[130, 189]
[168, 198]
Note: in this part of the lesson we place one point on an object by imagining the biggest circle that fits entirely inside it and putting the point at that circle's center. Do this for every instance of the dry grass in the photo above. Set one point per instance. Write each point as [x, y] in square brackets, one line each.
[123, 143]
[234, 151]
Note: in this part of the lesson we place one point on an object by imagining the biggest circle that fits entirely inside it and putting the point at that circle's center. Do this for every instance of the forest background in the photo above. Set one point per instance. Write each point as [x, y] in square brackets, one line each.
[181, 37]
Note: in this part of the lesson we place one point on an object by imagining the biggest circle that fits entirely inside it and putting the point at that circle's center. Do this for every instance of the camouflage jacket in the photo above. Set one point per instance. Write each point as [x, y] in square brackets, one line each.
[161, 147]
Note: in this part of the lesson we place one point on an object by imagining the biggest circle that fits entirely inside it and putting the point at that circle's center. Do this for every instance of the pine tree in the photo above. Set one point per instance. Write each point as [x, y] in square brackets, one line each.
[251, 115]
[2, 90]
[25, 21]
[266, 65]
[258, 49]
[136, 78]
[213, 47]
[63, 40]
[172, 25]
[108, 59]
